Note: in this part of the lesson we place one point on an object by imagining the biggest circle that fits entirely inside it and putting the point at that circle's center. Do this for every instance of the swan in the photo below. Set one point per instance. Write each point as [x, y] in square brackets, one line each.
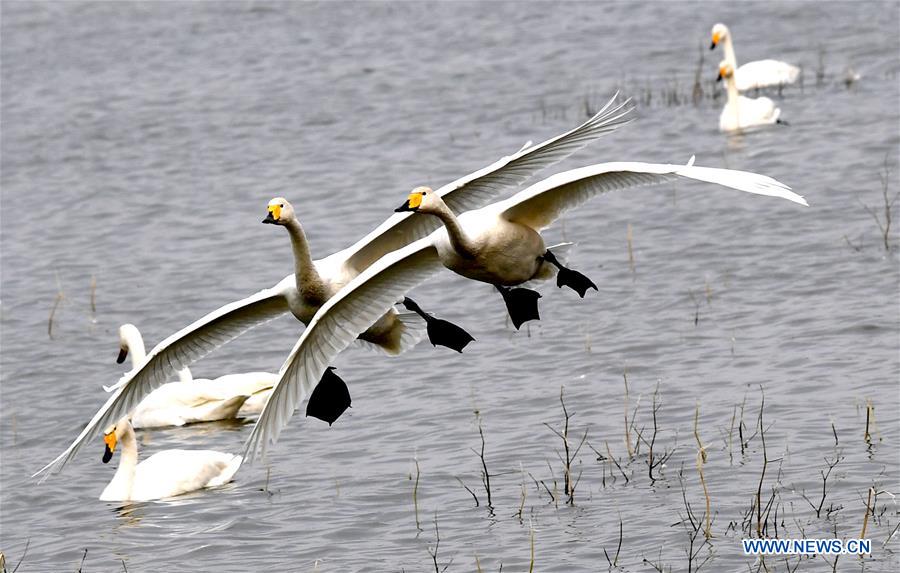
[741, 112]
[226, 323]
[757, 74]
[164, 474]
[499, 244]
[187, 401]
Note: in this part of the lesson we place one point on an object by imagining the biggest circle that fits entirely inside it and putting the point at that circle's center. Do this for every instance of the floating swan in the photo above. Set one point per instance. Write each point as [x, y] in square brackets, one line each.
[499, 244]
[753, 75]
[193, 400]
[741, 112]
[226, 323]
[164, 474]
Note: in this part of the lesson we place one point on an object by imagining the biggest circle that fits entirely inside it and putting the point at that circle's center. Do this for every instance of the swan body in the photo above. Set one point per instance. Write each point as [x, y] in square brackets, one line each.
[741, 112]
[164, 474]
[757, 74]
[498, 244]
[191, 400]
[314, 282]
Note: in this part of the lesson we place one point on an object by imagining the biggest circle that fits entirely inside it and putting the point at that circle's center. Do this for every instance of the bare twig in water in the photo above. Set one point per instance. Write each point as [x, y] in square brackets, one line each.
[93, 297]
[652, 460]
[468, 489]
[870, 509]
[888, 207]
[437, 544]
[825, 475]
[762, 476]
[569, 482]
[627, 426]
[629, 235]
[531, 563]
[485, 475]
[81, 566]
[615, 561]
[24, 553]
[415, 496]
[59, 298]
[701, 460]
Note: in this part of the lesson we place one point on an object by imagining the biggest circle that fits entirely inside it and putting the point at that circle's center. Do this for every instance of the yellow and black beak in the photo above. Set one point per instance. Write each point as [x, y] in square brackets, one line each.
[110, 440]
[123, 353]
[413, 202]
[715, 41]
[274, 215]
[719, 77]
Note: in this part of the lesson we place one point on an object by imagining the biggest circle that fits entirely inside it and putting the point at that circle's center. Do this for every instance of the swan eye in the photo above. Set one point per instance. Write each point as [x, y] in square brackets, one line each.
[423, 193]
[282, 205]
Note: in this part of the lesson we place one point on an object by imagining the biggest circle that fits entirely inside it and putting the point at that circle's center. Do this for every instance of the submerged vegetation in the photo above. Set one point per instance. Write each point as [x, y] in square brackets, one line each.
[781, 500]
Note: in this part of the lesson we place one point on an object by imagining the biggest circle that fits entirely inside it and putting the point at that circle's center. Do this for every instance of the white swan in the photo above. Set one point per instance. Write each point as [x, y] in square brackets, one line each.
[224, 324]
[757, 74]
[499, 244]
[741, 112]
[193, 400]
[164, 474]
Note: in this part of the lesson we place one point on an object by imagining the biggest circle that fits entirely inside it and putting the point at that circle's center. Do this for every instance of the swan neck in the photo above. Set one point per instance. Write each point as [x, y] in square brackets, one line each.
[136, 349]
[304, 269]
[461, 242]
[733, 95]
[729, 52]
[123, 481]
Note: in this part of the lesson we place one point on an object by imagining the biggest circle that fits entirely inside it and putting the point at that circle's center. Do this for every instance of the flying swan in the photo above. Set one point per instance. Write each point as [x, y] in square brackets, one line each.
[164, 474]
[753, 75]
[226, 323]
[499, 244]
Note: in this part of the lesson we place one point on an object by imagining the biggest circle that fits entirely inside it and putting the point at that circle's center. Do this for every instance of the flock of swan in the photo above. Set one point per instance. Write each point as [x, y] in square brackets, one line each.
[361, 294]
[742, 112]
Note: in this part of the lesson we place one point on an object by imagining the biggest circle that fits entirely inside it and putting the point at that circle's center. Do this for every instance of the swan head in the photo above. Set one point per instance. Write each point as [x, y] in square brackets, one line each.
[725, 71]
[111, 437]
[128, 333]
[421, 200]
[280, 212]
[719, 33]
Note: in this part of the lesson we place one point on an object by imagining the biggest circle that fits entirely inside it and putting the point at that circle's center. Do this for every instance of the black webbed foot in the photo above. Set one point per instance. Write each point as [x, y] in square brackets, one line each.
[574, 280]
[567, 277]
[329, 399]
[441, 332]
[521, 303]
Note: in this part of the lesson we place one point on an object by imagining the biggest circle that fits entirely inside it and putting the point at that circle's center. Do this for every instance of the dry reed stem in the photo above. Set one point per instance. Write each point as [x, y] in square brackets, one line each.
[701, 460]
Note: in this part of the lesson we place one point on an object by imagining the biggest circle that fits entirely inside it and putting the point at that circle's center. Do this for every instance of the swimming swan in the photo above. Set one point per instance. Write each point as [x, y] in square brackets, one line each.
[753, 75]
[499, 244]
[193, 400]
[741, 112]
[226, 323]
[164, 474]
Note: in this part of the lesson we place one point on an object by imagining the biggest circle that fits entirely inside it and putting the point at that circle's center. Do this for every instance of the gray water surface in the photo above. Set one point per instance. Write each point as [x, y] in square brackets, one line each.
[142, 141]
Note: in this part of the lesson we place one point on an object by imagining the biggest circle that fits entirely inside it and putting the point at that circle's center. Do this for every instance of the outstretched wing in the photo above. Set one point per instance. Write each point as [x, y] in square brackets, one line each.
[541, 204]
[177, 351]
[479, 188]
[351, 311]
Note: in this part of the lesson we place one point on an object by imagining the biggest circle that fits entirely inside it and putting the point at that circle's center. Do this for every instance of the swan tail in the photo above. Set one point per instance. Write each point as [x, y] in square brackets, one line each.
[219, 410]
[231, 468]
[562, 251]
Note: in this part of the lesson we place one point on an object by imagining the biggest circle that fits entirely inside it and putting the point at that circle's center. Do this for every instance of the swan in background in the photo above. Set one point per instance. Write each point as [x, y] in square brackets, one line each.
[191, 400]
[499, 244]
[226, 323]
[164, 474]
[757, 74]
[741, 112]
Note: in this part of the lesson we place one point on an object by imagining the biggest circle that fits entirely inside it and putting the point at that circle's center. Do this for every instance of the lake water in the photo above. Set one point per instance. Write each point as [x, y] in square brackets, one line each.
[142, 141]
